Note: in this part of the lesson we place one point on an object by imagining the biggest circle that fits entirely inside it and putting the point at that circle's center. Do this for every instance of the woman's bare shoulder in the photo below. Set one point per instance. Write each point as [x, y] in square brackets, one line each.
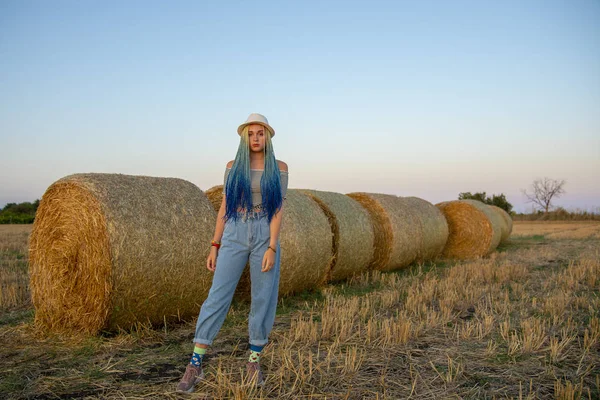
[230, 163]
[282, 166]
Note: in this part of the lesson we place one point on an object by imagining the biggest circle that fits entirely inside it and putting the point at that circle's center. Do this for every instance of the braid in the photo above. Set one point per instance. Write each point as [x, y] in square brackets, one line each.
[237, 188]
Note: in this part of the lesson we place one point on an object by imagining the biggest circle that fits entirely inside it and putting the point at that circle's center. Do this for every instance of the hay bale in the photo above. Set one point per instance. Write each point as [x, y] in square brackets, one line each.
[474, 229]
[397, 231]
[506, 225]
[108, 251]
[305, 239]
[353, 235]
[433, 225]
[215, 195]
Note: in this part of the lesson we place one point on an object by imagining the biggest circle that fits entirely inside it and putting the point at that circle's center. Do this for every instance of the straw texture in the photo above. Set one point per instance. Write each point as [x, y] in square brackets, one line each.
[353, 235]
[398, 234]
[108, 251]
[507, 224]
[306, 244]
[434, 228]
[474, 229]
[215, 196]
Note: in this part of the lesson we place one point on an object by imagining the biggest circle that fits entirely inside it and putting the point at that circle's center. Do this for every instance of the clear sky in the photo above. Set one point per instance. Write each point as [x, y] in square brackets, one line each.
[413, 98]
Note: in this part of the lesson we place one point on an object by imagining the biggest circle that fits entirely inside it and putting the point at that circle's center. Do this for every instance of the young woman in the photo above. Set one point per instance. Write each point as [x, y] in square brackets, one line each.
[248, 226]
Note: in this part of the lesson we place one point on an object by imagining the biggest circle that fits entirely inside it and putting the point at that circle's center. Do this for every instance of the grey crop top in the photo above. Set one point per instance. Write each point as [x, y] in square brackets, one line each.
[255, 175]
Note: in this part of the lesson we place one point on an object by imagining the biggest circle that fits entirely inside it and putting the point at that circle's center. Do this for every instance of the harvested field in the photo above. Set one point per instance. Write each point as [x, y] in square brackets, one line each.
[14, 278]
[522, 323]
[558, 229]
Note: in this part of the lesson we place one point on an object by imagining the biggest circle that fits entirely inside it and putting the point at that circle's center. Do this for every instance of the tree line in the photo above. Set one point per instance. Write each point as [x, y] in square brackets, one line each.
[22, 213]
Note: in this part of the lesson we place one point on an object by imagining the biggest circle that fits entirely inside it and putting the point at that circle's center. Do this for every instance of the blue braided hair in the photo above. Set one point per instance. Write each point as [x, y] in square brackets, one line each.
[238, 193]
[270, 182]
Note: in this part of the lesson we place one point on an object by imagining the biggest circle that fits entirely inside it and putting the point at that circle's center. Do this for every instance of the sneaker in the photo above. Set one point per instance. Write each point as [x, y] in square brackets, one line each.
[254, 373]
[192, 376]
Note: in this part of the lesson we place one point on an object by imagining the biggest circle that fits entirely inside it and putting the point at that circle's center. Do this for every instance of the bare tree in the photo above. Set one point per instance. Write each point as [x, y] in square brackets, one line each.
[543, 191]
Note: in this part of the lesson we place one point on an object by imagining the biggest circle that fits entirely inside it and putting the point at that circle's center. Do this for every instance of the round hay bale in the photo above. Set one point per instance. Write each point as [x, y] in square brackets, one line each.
[215, 195]
[397, 231]
[433, 225]
[352, 231]
[507, 223]
[305, 239]
[474, 229]
[109, 251]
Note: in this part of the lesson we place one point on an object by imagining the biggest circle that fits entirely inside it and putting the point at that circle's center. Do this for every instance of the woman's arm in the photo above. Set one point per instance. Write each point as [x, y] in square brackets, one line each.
[211, 261]
[220, 226]
[275, 227]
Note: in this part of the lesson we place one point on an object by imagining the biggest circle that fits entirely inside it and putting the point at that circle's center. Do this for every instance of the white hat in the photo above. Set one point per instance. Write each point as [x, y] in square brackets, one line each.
[256, 118]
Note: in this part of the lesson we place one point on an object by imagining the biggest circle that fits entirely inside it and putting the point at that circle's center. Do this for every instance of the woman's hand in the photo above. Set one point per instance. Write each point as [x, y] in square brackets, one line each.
[211, 262]
[268, 260]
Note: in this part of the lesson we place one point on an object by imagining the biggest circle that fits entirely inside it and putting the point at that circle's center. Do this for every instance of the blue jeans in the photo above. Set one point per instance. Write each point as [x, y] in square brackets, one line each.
[242, 240]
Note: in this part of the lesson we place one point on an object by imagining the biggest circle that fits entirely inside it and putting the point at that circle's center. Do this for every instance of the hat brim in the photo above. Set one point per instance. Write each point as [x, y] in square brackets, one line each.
[241, 127]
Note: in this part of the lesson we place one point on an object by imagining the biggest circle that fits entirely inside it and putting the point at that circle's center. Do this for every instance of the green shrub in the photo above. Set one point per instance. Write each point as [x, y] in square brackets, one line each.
[498, 200]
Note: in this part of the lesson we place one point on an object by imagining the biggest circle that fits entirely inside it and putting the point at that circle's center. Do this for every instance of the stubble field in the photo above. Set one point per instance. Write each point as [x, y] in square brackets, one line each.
[523, 323]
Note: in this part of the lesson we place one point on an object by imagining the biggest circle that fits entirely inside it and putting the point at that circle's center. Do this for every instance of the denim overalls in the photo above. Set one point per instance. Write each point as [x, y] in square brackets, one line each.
[246, 238]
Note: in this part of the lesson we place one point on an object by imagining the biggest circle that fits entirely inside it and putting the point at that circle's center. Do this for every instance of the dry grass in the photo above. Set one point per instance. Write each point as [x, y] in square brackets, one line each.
[522, 323]
[558, 229]
[14, 279]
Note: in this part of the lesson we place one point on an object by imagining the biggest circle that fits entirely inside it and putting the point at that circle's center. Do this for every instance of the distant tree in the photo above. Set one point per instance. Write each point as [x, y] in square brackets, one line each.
[22, 213]
[543, 191]
[8, 206]
[470, 196]
[498, 200]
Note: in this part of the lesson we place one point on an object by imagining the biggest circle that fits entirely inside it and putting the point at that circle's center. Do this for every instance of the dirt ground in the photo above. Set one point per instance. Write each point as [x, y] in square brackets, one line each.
[522, 323]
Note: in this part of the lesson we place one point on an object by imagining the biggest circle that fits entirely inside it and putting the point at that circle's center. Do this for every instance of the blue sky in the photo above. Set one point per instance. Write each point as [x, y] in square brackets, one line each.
[426, 99]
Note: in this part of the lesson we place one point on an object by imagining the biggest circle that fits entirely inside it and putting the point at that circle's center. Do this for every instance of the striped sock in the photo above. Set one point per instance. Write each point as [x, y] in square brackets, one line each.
[255, 353]
[197, 357]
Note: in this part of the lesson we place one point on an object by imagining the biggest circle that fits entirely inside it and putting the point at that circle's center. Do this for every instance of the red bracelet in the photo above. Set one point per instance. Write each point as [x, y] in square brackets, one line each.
[216, 244]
